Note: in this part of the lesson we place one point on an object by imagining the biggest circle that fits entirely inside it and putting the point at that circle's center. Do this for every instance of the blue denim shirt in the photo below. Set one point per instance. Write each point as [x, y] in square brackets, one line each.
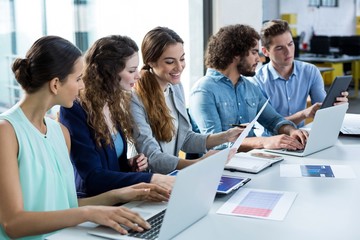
[290, 96]
[215, 103]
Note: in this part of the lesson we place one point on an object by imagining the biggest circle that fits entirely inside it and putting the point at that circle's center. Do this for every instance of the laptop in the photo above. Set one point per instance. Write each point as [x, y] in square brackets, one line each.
[324, 131]
[191, 199]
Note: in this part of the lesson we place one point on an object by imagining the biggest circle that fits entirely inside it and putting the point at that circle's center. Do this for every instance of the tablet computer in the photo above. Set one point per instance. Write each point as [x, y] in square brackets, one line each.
[231, 183]
[227, 183]
[339, 85]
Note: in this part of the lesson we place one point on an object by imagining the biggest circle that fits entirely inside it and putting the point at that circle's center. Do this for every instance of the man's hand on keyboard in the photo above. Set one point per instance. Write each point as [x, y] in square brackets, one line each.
[282, 141]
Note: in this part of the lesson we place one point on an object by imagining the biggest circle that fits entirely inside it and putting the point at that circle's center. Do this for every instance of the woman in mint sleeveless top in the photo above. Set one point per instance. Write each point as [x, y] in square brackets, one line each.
[37, 185]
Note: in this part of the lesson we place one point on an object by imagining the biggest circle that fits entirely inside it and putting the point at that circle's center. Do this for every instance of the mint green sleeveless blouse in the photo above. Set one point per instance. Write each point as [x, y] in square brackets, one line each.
[46, 173]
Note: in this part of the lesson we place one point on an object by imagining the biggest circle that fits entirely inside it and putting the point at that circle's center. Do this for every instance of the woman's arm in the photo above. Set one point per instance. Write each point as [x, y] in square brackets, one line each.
[98, 166]
[141, 191]
[19, 223]
[146, 143]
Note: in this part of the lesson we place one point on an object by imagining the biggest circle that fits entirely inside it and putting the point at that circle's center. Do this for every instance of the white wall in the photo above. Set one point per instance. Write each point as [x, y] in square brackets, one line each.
[271, 9]
[324, 20]
[227, 12]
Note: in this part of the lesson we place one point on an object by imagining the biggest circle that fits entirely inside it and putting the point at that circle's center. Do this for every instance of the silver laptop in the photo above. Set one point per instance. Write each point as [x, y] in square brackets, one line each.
[324, 131]
[191, 199]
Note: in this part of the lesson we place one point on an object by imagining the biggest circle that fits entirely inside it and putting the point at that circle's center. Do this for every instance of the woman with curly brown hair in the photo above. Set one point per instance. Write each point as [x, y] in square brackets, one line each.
[159, 109]
[100, 123]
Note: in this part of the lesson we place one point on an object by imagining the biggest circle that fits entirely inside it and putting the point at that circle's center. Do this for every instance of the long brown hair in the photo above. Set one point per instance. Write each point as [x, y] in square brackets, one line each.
[103, 62]
[154, 44]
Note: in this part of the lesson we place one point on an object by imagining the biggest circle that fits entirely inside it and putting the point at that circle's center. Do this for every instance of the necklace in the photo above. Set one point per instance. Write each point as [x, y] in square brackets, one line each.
[45, 129]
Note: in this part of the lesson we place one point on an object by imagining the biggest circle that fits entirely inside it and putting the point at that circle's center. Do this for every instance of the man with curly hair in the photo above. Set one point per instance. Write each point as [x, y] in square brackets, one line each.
[224, 96]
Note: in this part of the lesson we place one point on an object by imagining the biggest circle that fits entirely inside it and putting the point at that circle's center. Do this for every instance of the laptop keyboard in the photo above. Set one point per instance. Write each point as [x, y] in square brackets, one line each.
[297, 151]
[155, 222]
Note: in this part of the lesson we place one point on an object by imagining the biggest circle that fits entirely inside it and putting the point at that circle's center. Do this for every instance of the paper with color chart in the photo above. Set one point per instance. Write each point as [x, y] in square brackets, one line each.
[248, 128]
[257, 203]
[316, 170]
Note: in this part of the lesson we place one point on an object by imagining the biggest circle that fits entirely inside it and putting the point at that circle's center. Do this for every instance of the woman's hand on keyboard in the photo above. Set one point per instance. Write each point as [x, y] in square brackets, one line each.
[116, 218]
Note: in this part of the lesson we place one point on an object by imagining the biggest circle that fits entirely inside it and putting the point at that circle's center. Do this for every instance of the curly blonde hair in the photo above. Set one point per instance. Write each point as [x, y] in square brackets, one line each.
[103, 62]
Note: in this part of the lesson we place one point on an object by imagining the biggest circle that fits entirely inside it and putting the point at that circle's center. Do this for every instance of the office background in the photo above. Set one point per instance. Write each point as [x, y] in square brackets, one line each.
[84, 21]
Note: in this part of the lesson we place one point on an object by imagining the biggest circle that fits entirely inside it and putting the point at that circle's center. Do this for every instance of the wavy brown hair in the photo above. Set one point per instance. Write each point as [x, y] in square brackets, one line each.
[104, 61]
[154, 44]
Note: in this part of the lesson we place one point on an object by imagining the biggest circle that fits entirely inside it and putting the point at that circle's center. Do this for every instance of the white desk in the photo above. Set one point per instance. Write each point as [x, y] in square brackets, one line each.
[324, 208]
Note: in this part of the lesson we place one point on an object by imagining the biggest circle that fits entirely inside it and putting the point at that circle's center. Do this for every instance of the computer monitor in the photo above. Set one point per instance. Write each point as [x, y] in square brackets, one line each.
[350, 45]
[297, 46]
[320, 45]
[335, 41]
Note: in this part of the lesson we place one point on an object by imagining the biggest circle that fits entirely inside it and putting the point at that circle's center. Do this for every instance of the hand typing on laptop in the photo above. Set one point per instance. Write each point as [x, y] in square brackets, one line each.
[323, 134]
[294, 141]
[301, 135]
[123, 218]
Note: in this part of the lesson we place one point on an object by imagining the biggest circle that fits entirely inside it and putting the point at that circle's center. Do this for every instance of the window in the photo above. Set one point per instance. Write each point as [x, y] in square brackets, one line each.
[323, 3]
[84, 21]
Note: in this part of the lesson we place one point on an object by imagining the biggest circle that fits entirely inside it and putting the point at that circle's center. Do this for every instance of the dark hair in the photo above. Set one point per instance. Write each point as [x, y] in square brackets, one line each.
[49, 57]
[154, 44]
[104, 60]
[230, 41]
[272, 29]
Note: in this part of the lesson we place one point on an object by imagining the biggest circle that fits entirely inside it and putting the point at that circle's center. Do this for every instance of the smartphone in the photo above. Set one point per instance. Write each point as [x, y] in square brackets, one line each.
[266, 156]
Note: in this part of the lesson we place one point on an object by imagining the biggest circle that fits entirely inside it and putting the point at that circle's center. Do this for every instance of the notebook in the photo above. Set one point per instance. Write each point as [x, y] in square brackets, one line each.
[324, 131]
[252, 162]
[191, 199]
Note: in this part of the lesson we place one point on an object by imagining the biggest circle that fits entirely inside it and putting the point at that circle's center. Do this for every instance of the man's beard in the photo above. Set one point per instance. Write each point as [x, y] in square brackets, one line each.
[248, 74]
[245, 69]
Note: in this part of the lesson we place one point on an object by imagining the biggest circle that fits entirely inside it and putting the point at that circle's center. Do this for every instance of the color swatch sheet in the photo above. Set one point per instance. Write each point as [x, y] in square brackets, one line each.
[316, 170]
[259, 203]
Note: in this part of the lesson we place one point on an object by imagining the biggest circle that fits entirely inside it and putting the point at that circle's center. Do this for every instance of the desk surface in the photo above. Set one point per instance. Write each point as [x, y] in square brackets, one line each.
[327, 59]
[325, 69]
[324, 208]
